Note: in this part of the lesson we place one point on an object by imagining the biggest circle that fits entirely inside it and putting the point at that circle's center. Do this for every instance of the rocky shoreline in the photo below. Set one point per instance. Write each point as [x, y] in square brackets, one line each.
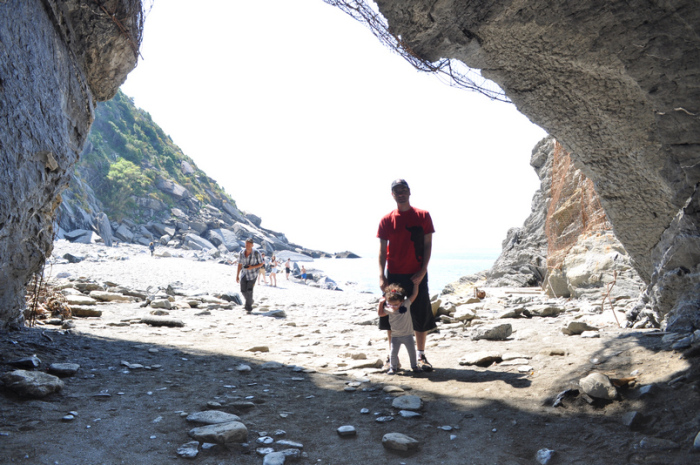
[300, 378]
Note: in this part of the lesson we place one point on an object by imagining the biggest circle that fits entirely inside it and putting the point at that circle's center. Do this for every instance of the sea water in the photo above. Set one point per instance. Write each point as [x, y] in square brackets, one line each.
[362, 274]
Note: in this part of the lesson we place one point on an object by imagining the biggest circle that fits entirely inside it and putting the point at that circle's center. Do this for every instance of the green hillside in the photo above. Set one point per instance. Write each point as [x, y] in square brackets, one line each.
[127, 152]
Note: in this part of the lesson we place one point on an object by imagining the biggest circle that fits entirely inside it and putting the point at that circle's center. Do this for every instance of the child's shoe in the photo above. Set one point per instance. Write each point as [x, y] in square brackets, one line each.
[391, 371]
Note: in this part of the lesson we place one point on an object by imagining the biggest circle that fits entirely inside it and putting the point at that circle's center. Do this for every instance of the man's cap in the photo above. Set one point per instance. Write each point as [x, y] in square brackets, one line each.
[399, 182]
[250, 239]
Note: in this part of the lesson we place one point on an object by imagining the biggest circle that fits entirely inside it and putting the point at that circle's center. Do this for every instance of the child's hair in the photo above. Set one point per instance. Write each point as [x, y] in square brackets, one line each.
[394, 292]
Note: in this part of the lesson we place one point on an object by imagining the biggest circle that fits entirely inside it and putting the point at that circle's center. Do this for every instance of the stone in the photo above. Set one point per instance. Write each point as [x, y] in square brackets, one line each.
[399, 442]
[657, 444]
[85, 311]
[288, 443]
[162, 321]
[408, 402]
[30, 362]
[63, 369]
[274, 458]
[577, 327]
[259, 349]
[346, 431]
[696, 443]
[188, 450]
[544, 456]
[409, 414]
[105, 296]
[494, 332]
[34, 384]
[210, 417]
[80, 300]
[221, 433]
[599, 386]
[631, 419]
[482, 359]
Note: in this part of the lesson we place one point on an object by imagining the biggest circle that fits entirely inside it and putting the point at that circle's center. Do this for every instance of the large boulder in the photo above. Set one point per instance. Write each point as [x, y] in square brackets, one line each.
[224, 237]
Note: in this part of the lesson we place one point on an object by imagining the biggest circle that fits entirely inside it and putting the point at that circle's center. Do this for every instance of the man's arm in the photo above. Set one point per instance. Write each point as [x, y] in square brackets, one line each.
[382, 264]
[238, 272]
[427, 250]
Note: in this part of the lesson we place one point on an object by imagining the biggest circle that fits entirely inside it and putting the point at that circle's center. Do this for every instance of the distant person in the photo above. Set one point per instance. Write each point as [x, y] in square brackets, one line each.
[396, 307]
[288, 268]
[152, 247]
[273, 270]
[261, 275]
[249, 263]
[405, 245]
[303, 273]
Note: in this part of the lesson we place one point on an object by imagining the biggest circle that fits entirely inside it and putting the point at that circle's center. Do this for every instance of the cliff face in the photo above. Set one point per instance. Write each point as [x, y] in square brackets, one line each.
[57, 58]
[566, 245]
[616, 83]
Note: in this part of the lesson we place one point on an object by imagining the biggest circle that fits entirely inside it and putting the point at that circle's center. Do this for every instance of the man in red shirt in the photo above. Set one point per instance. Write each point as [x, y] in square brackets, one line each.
[405, 244]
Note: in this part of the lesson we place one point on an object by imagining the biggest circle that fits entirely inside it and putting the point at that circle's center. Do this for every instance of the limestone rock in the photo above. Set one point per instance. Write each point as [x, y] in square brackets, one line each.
[598, 385]
[34, 384]
[577, 327]
[211, 417]
[407, 403]
[399, 442]
[494, 332]
[221, 433]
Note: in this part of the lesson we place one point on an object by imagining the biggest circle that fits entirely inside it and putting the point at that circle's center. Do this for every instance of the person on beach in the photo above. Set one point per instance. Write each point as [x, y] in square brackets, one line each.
[288, 268]
[249, 263]
[405, 245]
[261, 275]
[273, 270]
[396, 307]
[152, 247]
[303, 273]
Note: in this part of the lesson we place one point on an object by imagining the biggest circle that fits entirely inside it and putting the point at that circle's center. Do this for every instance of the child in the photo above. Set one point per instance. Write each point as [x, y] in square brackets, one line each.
[397, 306]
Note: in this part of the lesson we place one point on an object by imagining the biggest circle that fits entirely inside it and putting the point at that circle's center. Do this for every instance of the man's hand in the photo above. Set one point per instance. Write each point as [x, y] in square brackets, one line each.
[418, 277]
[383, 282]
[238, 279]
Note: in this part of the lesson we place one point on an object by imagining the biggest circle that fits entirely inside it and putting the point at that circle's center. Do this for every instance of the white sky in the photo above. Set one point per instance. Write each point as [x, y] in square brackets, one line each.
[304, 118]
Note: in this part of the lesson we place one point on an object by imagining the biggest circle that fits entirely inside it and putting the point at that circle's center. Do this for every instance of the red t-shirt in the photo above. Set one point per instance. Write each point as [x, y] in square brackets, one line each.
[405, 233]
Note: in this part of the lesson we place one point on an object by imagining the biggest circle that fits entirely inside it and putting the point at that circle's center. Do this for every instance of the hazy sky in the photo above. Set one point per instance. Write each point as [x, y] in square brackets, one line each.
[304, 118]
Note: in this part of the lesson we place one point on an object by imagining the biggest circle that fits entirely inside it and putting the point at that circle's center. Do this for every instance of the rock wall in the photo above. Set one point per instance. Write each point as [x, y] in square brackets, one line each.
[566, 245]
[57, 58]
[616, 83]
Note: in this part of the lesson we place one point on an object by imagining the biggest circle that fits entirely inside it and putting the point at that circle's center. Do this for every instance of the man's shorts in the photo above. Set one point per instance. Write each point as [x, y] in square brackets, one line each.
[421, 309]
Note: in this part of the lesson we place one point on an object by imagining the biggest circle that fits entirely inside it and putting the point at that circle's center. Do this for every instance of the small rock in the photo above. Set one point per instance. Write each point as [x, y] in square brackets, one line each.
[63, 369]
[390, 388]
[212, 417]
[407, 403]
[494, 333]
[577, 327]
[221, 433]
[657, 444]
[259, 349]
[188, 450]
[31, 383]
[274, 458]
[482, 359]
[544, 456]
[26, 362]
[598, 385]
[409, 414]
[347, 431]
[399, 442]
[631, 419]
[288, 443]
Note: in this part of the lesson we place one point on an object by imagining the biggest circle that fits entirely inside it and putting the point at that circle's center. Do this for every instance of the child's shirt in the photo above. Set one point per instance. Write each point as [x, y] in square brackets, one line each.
[401, 323]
